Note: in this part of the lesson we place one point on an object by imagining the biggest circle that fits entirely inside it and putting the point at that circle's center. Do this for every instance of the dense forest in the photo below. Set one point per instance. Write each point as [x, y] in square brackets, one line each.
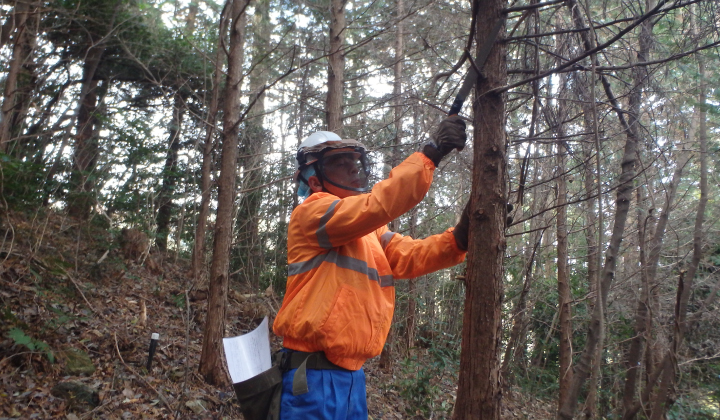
[152, 144]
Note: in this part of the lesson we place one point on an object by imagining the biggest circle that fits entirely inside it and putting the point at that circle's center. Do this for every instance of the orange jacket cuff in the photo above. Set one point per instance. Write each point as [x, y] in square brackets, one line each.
[428, 163]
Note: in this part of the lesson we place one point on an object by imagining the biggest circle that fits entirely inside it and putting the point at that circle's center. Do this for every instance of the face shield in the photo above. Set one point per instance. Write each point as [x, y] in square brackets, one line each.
[345, 168]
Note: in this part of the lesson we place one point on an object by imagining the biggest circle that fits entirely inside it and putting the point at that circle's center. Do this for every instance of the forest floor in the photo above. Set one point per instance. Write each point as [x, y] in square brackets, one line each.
[66, 292]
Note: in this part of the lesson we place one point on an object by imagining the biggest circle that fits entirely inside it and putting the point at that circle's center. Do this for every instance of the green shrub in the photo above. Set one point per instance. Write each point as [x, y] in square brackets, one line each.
[686, 408]
[419, 385]
[32, 344]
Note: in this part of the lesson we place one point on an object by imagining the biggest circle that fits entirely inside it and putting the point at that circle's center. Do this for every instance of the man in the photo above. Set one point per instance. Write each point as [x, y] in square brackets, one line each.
[342, 263]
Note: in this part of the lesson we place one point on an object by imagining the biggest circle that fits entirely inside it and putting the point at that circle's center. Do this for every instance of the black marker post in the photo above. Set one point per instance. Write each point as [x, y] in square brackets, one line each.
[153, 345]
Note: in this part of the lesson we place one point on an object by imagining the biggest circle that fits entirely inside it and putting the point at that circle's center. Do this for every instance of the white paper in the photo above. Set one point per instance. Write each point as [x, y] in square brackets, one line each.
[248, 355]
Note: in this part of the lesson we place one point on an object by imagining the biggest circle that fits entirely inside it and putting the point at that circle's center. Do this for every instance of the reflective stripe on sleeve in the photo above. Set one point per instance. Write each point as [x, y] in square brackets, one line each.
[341, 261]
[322, 235]
[386, 281]
[386, 238]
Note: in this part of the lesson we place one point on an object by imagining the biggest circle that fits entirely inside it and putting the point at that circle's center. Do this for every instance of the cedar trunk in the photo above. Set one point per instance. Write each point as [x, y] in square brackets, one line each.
[170, 176]
[663, 398]
[641, 318]
[394, 159]
[86, 150]
[593, 219]
[336, 67]
[211, 365]
[622, 207]
[14, 97]
[397, 86]
[515, 347]
[479, 383]
[410, 319]
[563, 271]
[249, 248]
[198, 256]
[563, 277]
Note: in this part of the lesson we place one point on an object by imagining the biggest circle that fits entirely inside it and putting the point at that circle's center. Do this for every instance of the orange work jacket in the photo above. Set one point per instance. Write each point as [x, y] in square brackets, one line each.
[343, 260]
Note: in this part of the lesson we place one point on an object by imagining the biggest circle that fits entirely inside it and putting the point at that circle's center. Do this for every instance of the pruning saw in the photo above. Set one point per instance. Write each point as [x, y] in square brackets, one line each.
[476, 69]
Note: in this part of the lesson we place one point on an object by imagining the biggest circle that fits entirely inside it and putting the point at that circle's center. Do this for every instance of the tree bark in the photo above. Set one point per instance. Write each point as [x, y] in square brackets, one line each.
[170, 171]
[622, 207]
[211, 365]
[592, 230]
[336, 67]
[198, 254]
[249, 247]
[662, 402]
[479, 387]
[518, 313]
[394, 159]
[16, 96]
[411, 318]
[514, 349]
[85, 153]
[642, 314]
[169, 175]
[648, 275]
[397, 84]
[563, 274]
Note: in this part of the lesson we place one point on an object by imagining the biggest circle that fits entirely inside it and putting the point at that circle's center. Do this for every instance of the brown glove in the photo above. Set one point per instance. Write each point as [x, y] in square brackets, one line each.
[450, 135]
[461, 229]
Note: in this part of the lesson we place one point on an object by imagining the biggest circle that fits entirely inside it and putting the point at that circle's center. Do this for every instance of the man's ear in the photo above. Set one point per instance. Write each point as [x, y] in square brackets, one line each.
[315, 184]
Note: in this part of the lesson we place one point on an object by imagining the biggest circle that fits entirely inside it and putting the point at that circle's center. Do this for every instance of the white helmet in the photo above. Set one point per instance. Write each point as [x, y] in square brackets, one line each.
[314, 147]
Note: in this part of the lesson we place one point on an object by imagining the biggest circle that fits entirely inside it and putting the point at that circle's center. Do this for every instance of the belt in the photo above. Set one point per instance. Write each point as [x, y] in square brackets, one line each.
[315, 360]
[302, 361]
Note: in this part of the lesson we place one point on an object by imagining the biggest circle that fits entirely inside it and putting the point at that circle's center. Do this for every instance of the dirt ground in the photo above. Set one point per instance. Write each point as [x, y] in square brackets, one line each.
[65, 287]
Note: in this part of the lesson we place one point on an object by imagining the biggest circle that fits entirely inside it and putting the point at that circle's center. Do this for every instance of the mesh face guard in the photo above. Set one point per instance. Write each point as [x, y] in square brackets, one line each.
[345, 168]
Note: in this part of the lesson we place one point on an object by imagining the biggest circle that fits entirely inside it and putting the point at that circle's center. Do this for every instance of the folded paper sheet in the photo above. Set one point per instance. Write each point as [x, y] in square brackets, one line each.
[249, 354]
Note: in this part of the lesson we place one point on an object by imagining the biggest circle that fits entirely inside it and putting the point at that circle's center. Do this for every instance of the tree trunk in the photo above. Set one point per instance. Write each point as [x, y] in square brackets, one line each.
[336, 67]
[39, 129]
[563, 275]
[19, 76]
[169, 175]
[198, 255]
[662, 402]
[411, 316]
[518, 313]
[211, 365]
[394, 158]
[398, 108]
[648, 274]
[649, 270]
[86, 150]
[593, 234]
[249, 247]
[170, 171]
[479, 383]
[513, 349]
[191, 17]
[622, 207]
[303, 92]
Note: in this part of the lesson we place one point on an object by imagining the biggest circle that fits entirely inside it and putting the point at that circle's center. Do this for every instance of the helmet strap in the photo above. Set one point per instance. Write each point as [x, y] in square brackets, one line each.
[318, 174]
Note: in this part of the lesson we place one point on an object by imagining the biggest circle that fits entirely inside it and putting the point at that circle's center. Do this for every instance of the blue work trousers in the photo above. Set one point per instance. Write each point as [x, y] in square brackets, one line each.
[332, 395]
